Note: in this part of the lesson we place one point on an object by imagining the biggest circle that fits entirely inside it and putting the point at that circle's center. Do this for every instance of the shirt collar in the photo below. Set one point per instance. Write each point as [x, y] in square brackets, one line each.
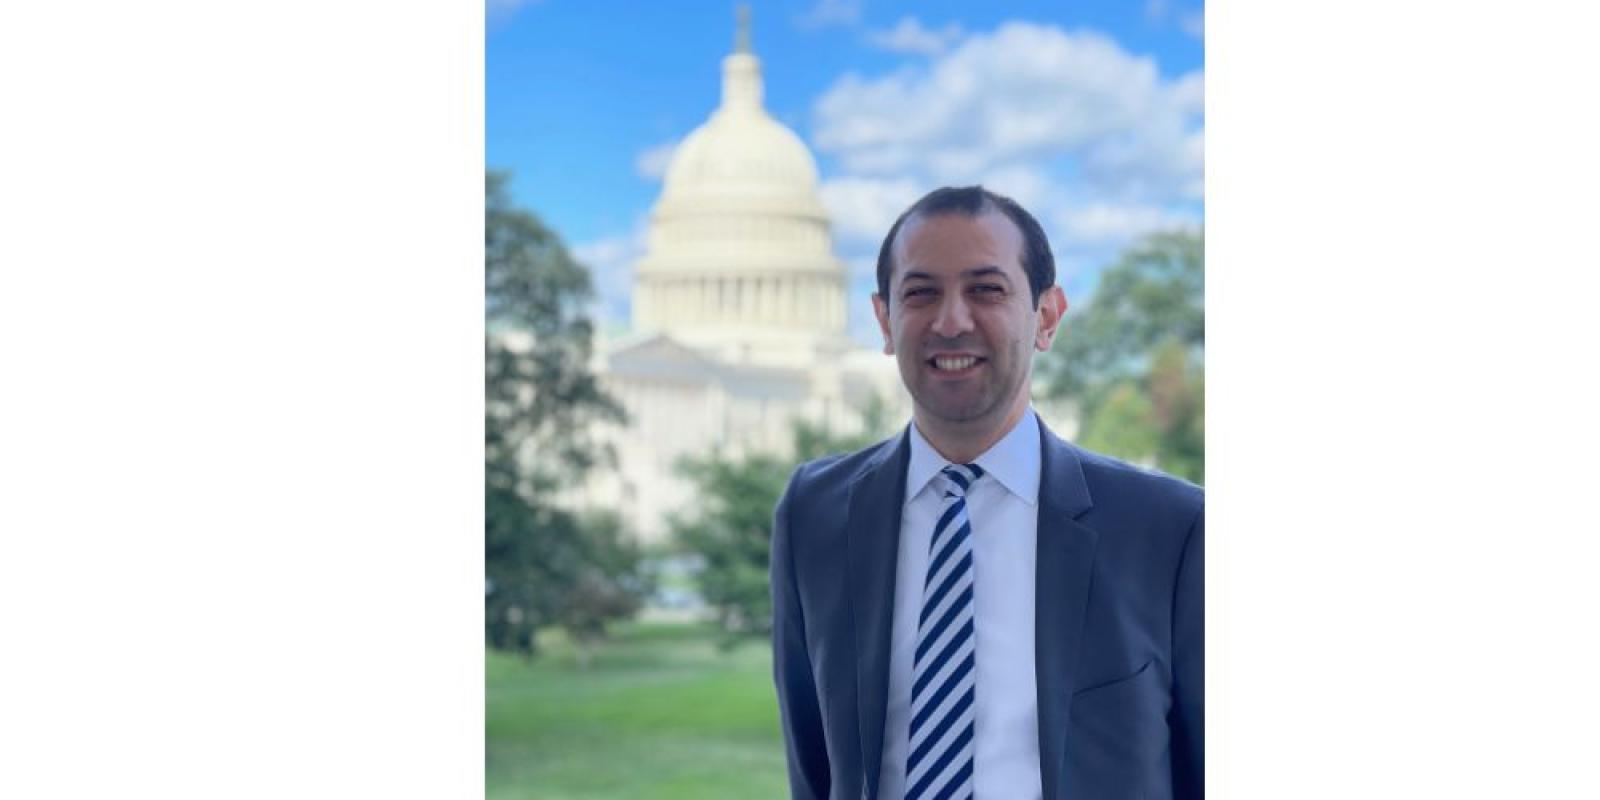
[1013, 461]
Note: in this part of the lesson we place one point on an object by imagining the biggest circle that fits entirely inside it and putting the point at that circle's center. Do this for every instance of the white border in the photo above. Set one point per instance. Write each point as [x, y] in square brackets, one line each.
[1402, 417]
[241, 311]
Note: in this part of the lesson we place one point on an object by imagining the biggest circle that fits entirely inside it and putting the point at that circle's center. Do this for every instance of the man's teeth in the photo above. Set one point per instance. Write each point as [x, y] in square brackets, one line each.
[955, 363]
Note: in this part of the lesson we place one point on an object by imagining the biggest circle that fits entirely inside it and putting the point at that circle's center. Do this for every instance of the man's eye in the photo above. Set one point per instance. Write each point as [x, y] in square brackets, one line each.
[989, 289]
[920, 291]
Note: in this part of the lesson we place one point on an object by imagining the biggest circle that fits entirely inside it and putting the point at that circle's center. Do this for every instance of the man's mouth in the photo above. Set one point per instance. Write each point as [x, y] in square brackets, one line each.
[953, 363]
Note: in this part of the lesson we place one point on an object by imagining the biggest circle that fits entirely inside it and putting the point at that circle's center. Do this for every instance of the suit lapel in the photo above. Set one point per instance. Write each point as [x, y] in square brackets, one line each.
[873, 540]
[1064, 566]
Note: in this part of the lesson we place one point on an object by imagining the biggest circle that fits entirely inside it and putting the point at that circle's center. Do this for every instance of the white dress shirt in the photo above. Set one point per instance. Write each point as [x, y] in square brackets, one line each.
[1003, 508]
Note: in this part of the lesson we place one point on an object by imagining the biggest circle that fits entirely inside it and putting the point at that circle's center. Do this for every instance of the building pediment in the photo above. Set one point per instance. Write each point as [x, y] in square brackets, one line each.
[660, 354]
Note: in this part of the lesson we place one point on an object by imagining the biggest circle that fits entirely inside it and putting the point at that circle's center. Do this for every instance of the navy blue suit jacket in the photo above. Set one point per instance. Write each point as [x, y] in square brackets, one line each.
[1120, 625]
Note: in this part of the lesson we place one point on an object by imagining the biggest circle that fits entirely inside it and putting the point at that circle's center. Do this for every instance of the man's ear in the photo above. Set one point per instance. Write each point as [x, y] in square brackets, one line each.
[1052, 305]
[880, 309]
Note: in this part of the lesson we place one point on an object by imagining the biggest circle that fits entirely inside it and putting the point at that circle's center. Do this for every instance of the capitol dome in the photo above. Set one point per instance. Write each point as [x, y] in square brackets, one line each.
[739, 257]
[741, 150]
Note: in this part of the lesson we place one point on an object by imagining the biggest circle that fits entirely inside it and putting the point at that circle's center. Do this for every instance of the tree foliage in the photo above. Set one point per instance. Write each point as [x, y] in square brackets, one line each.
[1133, 360]
[730, 530]
[545, 565]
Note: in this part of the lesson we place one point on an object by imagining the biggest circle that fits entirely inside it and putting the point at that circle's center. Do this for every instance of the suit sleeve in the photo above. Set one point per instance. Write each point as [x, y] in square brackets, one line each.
[791, 667]
[1188, 718]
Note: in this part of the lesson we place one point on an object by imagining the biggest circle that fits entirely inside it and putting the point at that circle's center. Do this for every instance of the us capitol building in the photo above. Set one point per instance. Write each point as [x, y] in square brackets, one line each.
[739, 312]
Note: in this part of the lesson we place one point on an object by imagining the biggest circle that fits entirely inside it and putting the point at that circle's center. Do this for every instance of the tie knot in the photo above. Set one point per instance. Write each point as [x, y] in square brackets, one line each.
[961, 477]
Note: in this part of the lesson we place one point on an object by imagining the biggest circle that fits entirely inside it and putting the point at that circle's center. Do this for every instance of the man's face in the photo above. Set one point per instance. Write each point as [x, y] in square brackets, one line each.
[960, 318]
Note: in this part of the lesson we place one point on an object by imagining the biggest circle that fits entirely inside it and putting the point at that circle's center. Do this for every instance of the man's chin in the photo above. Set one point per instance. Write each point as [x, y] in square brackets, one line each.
[954, 411]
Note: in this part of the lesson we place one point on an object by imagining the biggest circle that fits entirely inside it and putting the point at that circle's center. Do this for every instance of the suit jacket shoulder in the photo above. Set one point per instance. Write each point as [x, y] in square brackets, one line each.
[818, 496]
[1146, 523]
[839, 469]
[1118, 484]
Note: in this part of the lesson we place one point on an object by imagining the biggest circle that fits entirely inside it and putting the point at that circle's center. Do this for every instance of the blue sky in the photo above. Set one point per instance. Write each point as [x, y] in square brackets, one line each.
[1091, 114]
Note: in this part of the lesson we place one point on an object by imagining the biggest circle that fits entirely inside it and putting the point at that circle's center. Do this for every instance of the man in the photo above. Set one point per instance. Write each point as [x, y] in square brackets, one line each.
[976, 607]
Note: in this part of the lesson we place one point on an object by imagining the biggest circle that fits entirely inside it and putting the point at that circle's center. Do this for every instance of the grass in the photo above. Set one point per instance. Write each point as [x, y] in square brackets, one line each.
[657, 712]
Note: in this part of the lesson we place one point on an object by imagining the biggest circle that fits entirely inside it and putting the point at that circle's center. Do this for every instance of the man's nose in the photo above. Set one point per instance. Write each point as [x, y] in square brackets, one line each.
[954, 318]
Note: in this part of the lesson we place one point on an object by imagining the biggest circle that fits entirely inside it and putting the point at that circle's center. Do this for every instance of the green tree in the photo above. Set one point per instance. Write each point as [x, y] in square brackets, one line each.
[730, 530]
[544, 564]
[1133, 361]
[1121, 423]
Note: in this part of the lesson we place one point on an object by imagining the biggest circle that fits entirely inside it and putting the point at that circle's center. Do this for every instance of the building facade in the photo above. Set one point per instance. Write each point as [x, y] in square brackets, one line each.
[739, 312]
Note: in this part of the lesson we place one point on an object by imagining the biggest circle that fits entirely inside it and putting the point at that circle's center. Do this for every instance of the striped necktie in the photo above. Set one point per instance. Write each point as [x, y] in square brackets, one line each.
[940, 762]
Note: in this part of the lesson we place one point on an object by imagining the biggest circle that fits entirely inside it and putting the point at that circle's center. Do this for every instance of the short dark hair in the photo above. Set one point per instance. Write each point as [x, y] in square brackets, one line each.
[971, 201]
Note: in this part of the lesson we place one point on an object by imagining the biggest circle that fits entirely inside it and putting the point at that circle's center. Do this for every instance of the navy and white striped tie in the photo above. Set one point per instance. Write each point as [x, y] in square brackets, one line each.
[940, 762]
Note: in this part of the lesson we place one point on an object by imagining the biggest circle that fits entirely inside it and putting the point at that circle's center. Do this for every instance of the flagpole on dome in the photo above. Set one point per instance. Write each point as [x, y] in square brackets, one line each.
[741, 31]
[741, 70]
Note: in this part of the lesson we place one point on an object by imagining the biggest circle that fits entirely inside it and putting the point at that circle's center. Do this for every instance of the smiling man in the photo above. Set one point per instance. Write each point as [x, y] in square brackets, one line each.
[975, 607]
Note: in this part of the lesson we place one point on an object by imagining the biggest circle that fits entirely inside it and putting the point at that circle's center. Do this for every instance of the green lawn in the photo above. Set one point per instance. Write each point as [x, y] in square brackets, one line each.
[658, 712]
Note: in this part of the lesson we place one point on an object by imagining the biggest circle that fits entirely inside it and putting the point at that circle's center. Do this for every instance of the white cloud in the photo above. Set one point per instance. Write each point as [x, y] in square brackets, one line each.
[908, 36]
[1194, 24]
[1024, 94]
[610, 260]
[1027, 185]
[1093, 140]
[1189, 92]
[863, 208]
[1194, 153]
[830, 12]
[652, 162]
[1190, 21]
[1102, 223]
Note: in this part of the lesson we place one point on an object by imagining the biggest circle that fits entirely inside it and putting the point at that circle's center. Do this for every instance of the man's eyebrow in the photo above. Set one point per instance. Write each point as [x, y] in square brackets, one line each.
[985, 270]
